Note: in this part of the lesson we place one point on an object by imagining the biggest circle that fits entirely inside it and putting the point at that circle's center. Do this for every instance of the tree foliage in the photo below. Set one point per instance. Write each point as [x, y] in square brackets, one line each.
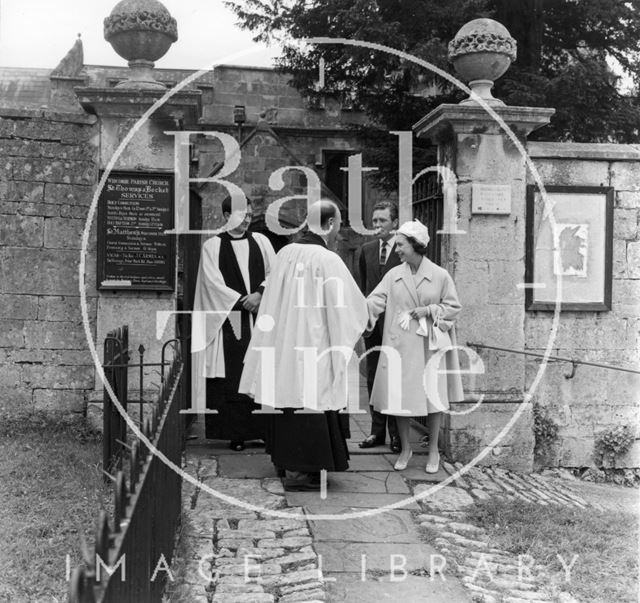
[573, 55]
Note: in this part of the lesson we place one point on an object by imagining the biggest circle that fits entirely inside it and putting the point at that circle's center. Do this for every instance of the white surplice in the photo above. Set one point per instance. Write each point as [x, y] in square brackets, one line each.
[315, 308]
[212, 295]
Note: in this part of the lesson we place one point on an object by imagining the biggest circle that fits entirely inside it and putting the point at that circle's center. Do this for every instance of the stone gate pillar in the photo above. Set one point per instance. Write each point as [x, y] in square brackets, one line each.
[487, 262]
[141, 40]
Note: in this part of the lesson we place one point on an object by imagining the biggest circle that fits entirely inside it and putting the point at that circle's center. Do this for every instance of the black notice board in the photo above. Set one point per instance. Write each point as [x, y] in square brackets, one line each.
[134, 210]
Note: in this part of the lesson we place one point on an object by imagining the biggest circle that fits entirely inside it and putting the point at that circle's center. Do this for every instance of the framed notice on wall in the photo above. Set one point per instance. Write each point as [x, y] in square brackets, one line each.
[569, 248]
[134, 211]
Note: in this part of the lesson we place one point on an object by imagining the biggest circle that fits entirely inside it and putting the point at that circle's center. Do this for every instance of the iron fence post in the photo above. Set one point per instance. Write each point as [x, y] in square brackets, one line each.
[141, 353]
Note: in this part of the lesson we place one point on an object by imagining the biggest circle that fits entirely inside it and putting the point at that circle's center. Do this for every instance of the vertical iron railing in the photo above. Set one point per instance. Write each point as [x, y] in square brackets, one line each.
[427, 208]
[115, 361]
[132, 552]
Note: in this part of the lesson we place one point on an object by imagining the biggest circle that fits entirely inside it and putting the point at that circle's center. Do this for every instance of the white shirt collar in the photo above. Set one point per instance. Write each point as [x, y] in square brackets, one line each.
[390, 243]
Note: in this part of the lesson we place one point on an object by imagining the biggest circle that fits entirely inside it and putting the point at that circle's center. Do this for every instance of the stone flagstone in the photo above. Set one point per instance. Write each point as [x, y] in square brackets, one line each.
[349, 588]
[246, 465]
[245, 490]
[392, 526]
[347, 499]
[375, 482]
[362, 462]
[389, 558]
[448, 498]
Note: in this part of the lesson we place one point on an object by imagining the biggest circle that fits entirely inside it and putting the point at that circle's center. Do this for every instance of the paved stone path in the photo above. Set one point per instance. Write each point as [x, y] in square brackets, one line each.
[230, 554]
[422, 551]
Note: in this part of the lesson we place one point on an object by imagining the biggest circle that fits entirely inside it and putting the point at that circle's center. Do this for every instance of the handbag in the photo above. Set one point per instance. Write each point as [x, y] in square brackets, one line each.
[438, 339]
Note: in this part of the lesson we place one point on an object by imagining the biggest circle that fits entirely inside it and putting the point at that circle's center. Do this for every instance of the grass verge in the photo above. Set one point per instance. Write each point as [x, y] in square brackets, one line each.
[52, 488]
[605, 542]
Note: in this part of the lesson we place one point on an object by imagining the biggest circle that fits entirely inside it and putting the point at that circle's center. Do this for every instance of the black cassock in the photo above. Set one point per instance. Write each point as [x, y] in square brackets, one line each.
[302, 440]
[309, 441]
[235, 420]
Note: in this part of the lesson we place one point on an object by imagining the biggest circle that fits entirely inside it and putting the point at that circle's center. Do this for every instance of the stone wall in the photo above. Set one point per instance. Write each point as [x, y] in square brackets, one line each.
[48, 171]
[595, 398]
[149, 150]
[49, 166]
[268, 150]
[257, 89]
[493, 425]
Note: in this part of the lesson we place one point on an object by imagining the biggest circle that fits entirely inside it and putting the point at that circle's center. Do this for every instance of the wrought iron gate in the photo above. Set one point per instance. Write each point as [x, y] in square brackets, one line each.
[121, 568]
[427, 208]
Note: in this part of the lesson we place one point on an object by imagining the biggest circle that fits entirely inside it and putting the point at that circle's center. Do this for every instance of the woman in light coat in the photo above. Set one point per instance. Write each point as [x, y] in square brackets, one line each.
[420, 303]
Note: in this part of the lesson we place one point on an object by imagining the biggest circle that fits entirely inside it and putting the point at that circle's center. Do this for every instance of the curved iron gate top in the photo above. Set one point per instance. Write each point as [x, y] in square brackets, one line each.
[427, 208]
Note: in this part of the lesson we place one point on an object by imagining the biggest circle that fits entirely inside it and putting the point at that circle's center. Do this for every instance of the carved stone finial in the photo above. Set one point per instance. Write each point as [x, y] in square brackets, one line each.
[72, 63]
[68, 73]
[140, 31]
[481, 52]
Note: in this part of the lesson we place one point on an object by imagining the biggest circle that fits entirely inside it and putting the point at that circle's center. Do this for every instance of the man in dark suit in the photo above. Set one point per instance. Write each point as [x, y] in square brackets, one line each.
[376, 258]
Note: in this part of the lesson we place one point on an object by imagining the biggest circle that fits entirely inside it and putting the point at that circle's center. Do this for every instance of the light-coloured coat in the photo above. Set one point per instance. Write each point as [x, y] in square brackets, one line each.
[406, 384]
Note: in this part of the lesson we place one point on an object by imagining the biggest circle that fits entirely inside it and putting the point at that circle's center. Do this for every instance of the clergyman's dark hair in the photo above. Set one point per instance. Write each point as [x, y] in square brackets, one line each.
[392, 207]
[226, 205]
[328, 209]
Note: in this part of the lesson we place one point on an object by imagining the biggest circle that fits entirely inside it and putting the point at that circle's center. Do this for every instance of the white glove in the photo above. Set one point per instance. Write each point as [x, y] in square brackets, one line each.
[422, 328]
[404, 320]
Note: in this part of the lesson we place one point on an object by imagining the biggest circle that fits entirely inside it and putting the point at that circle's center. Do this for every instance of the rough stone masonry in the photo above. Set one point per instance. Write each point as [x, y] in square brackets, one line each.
[48, 172]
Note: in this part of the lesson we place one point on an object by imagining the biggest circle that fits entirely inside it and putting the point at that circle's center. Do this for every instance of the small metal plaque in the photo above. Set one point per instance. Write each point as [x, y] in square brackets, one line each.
[491, 199]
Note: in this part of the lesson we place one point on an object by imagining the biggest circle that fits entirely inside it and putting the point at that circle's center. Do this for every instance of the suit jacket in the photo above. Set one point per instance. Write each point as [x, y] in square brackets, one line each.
[370, 274]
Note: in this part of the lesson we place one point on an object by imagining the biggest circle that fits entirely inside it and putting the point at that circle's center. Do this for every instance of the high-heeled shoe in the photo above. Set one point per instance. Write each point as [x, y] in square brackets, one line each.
[402, 465]
[433, 467]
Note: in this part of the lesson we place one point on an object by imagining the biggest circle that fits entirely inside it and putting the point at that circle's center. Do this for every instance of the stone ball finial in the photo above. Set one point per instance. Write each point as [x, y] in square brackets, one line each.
[140, 31]
[481, 52]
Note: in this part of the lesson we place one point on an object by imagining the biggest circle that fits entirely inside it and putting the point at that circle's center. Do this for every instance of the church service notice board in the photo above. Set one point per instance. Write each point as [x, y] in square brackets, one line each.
[134, 253]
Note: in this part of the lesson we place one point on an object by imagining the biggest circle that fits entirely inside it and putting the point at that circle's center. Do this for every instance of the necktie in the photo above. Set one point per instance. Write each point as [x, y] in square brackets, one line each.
[383, 254]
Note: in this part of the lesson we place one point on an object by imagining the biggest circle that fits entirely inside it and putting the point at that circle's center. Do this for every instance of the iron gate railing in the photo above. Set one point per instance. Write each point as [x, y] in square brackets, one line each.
[427, 208]
[130, 554]
[116, 371]
[116, 365]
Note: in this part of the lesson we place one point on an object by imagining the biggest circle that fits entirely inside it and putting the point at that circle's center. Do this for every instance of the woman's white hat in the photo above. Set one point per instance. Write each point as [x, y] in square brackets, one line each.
[416, 230]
